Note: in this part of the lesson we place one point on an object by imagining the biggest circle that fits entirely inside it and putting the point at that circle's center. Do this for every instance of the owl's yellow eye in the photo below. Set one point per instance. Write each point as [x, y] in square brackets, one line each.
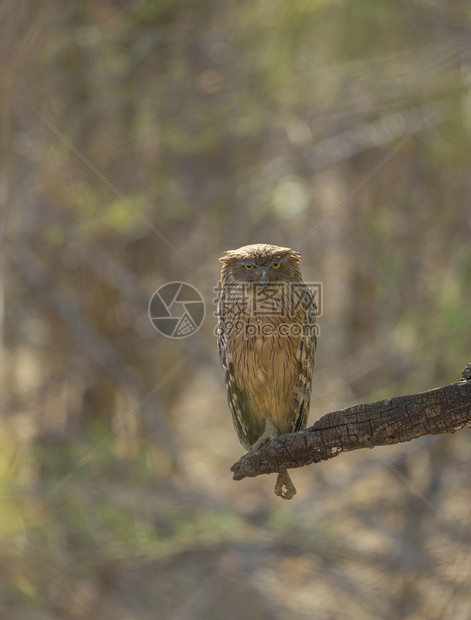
[276, 265]
[248, 267]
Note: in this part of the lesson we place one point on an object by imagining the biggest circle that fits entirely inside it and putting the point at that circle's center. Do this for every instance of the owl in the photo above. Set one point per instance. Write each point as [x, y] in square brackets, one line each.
[266, 340]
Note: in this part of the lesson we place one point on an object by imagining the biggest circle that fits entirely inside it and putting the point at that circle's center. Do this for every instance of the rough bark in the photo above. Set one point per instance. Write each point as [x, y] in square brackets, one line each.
[400, 419]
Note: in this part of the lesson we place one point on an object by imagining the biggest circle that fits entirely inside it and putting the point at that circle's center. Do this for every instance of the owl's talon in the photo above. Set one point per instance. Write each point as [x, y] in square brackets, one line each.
[284, 480]
[269, 433]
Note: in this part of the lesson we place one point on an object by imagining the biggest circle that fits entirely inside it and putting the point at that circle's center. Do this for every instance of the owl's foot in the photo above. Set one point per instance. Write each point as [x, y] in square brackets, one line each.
[284, 480]
[270, 432]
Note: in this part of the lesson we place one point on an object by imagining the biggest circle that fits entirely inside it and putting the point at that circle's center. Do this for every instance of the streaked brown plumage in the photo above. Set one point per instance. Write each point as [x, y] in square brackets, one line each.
[267, 355]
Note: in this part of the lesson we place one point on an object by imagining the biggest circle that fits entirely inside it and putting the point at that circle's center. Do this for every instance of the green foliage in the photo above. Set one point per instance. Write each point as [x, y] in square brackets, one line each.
[225, 124]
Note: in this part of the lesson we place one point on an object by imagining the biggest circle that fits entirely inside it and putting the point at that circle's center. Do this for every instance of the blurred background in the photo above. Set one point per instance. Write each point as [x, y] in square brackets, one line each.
[139, 141]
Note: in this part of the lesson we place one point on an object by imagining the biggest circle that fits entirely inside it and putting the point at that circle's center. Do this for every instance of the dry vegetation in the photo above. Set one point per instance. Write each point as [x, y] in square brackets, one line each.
[224, 124]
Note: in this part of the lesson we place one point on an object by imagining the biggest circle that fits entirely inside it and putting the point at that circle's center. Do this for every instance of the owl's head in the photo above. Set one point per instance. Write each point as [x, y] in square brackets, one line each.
[262, 263]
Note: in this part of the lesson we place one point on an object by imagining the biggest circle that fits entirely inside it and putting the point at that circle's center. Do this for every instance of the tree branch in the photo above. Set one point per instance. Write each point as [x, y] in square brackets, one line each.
[400, 419]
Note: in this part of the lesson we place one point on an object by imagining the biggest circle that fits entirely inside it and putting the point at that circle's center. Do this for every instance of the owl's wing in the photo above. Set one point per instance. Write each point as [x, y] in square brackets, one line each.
[305, 357]
[247, 427]
[221, 332]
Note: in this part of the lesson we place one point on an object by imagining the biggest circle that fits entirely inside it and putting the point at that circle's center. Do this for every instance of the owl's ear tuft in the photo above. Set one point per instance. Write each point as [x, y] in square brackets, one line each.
[227, 257]
[295, 257]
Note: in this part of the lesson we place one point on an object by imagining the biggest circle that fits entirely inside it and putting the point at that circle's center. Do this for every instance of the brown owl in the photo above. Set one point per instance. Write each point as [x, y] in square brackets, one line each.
[266, 341]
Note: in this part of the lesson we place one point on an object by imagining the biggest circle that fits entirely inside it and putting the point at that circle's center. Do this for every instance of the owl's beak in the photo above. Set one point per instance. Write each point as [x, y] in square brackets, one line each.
[264, 278]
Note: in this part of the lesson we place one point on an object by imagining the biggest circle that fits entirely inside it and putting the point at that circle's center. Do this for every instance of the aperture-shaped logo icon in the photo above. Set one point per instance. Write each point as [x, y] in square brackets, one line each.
[177, 310]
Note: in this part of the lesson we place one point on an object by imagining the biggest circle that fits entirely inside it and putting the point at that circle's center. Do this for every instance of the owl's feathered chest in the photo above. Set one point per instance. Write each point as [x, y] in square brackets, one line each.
[266, 368]
[264, 321]
[262, 344]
